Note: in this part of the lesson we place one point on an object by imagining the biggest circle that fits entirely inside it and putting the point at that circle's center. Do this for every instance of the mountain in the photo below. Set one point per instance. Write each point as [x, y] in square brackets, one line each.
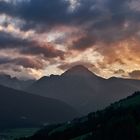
[20, 109]
[119, 121]
[84, 90]
[15, 83]
[78, 70]
[132, 100]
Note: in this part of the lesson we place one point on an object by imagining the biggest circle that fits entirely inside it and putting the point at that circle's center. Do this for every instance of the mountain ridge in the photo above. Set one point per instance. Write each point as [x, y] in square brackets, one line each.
[15, 83]
[84, 90]
[77, 70]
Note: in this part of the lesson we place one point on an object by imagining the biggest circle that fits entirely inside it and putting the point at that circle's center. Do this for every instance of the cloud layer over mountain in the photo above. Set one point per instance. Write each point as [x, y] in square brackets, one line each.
[40, 36]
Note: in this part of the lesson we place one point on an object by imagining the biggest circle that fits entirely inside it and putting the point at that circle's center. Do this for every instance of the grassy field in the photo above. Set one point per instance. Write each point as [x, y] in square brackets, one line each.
[11, 134]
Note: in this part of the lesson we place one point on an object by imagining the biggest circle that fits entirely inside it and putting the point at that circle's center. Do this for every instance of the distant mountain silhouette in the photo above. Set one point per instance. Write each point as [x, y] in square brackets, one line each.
[15, 83]
[84, 90]
[20, 109]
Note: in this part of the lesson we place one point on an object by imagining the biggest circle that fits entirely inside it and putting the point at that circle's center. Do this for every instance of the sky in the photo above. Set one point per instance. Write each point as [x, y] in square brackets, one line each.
[44, 37]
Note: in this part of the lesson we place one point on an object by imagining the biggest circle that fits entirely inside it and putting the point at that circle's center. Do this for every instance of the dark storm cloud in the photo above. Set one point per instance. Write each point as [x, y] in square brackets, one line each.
[7, 8]
[48, 13]
[53, 12]
[7, 40]
[83, 42]
[28, 47]
[106, 21]
[45, 50]
[4, 60]
[112, 26]
[112, 21]
[43, 14]
[38, 14]
[23, 61]
[29, 63]
[135, 74]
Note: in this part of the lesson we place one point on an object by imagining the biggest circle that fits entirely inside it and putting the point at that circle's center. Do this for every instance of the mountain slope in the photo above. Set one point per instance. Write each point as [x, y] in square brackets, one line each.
[132, 100]
[19, 109]
[113, 123]
[84, 90]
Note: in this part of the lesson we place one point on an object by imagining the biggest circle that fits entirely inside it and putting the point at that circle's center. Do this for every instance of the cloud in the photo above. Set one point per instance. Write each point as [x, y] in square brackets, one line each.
[9, 41]
[4, 60]
[35, 13]
[120, 71]
[29, 63]
[20, 72]
[123, 53]
[26, 55]
[106, 21]
[98, 14]
[7, 8]
[23, 61]
[92, 67]
[46, 50]
[109, 27]
[135, 74]
[66, 66]
[83, 43]
[28, 46]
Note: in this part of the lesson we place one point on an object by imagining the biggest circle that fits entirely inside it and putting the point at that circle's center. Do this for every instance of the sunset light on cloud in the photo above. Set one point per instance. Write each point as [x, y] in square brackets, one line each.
[43, 37]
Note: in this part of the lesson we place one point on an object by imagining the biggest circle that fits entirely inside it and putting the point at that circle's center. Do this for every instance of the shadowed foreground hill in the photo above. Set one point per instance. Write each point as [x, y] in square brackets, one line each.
[20, 109]
[120, 121]
[84, 90]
